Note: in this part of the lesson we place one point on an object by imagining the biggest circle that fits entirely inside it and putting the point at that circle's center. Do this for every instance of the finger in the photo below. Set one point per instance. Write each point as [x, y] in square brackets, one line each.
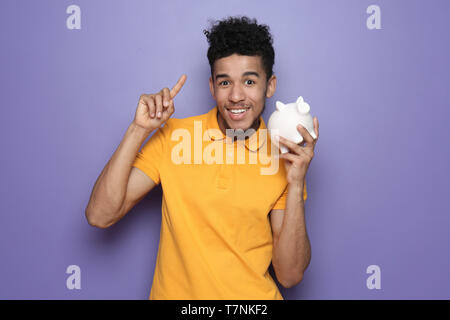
[316, 127]
[296, 158]
[305, 134]
[159, 106]
[177, 87]
[166, 97]
[168, 111]
[151, 105]
[171, 108]
[288, 156]
[291, 145]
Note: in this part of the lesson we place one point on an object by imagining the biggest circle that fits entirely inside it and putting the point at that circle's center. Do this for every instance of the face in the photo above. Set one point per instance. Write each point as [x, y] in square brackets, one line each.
[240, 88]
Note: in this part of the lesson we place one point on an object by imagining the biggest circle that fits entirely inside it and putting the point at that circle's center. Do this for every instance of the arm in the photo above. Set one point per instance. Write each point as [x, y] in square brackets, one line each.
[119, 186]
[291, 249]
[291, 252]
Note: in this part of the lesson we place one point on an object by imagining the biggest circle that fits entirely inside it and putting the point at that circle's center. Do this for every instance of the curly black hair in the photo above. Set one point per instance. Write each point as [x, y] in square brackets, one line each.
[243, 36]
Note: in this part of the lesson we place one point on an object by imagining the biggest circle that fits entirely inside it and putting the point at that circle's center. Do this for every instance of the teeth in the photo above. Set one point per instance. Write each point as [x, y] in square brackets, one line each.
[236, 111]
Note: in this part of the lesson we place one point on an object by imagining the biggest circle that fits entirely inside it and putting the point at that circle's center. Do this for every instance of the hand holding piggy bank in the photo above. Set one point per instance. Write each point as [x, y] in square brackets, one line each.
[284, 120]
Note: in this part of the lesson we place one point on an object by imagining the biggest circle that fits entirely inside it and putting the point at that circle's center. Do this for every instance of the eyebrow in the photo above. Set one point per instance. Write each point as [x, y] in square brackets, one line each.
[248, 73]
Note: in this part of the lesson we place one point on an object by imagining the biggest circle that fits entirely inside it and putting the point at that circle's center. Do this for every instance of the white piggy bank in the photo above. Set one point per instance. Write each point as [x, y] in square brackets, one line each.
[284, 120]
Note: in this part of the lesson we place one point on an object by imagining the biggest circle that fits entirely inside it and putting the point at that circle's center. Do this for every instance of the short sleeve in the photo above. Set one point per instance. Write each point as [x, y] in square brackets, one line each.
[150, 158]
[281, 202]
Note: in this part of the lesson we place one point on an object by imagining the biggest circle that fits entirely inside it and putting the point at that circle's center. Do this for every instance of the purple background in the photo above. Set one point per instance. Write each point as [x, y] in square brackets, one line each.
[378, 185]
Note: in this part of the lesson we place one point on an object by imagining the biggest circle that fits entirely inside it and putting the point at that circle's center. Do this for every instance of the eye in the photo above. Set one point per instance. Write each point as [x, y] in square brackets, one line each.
[223, 83]
[246, 81]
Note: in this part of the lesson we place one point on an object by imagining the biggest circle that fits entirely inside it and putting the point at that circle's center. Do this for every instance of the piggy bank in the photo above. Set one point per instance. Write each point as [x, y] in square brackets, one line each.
[284, 120]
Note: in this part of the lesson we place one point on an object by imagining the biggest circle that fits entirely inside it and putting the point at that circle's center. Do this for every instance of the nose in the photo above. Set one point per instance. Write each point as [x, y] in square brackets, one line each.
[236, 93]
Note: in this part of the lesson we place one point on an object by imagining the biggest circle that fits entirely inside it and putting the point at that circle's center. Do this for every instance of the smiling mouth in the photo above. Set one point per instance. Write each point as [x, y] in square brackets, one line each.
[237, 113]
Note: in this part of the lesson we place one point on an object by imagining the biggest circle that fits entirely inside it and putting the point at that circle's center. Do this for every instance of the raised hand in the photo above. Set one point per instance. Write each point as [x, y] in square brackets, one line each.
[153, 110]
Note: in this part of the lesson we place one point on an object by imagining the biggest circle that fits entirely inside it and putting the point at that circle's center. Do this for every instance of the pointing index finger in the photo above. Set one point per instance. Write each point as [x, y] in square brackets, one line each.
[177, 87]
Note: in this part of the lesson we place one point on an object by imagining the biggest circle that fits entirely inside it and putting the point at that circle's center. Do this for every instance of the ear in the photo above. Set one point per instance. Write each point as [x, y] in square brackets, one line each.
[211, 88]
[280, 105]
[271, 86]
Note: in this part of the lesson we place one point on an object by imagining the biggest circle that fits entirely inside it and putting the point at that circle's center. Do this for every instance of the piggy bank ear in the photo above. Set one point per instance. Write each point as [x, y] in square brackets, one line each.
[302, 106]
[299, 100]
[280, 105]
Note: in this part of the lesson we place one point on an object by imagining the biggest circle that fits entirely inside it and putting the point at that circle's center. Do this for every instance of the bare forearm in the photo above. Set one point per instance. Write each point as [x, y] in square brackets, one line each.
[109, 190]
[292, 250]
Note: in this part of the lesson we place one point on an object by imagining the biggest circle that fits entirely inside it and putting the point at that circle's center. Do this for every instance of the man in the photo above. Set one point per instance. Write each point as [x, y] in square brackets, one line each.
[223, 222]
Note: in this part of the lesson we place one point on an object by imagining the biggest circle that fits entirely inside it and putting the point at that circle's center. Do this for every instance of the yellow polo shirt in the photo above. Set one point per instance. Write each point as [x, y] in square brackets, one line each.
[216, 237]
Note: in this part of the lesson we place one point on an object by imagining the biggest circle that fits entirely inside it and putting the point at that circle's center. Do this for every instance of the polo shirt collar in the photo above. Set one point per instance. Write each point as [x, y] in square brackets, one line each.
[251, 143]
